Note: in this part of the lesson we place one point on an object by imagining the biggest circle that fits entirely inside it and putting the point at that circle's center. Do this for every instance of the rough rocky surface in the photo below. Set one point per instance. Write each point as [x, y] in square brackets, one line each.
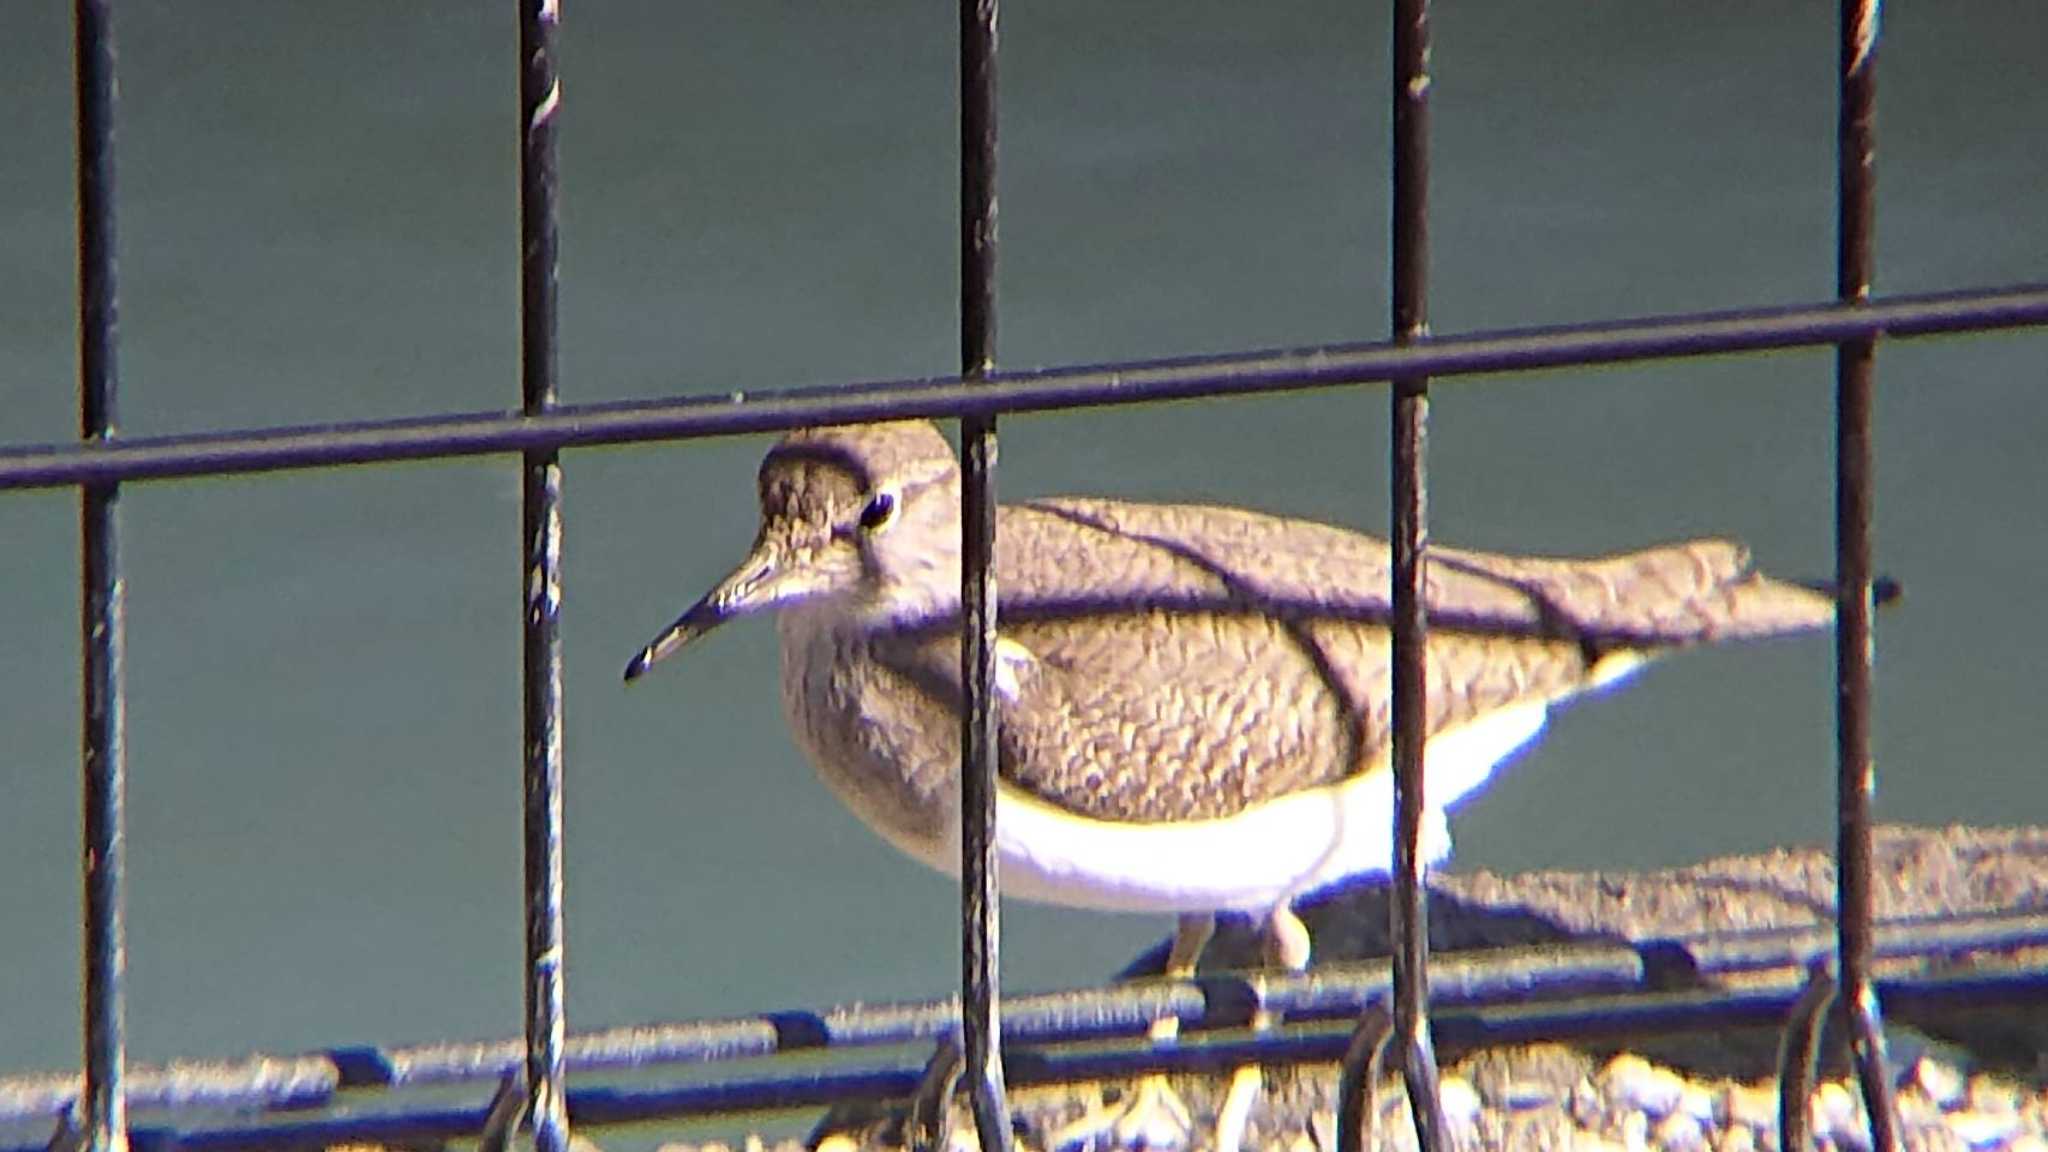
[1926, 874]
[1539, 1099]
[1712, 1092]
[1920, 872]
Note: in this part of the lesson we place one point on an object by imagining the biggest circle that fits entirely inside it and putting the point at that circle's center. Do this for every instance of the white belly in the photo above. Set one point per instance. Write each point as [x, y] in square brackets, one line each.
[1253, 861]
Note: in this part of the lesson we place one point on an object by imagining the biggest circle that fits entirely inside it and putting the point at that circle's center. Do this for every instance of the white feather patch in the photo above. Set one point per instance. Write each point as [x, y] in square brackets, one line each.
[1251, 861]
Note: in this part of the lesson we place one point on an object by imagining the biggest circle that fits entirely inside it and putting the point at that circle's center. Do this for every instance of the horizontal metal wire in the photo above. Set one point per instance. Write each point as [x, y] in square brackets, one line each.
[1220, 1001]
[1661, 337]
[1459, 1028]
[1470, 979]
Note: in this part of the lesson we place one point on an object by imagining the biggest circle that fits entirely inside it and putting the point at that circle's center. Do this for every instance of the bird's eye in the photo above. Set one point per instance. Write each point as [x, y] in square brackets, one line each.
[880, 511]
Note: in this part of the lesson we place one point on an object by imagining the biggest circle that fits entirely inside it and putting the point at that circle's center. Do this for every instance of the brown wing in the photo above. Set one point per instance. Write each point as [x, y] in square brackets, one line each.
[1219, 658]
[1677, 594]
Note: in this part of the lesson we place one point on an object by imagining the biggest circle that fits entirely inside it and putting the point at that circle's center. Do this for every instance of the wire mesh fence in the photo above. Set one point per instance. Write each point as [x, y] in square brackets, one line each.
[1469, 996]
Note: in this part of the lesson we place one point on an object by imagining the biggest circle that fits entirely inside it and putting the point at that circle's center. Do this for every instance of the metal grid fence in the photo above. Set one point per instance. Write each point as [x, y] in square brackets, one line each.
[102, 461]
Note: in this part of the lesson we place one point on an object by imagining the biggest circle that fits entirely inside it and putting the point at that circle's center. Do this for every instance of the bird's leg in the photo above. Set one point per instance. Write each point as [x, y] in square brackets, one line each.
[1190, 936]
[1286, 948]
[1151, 1114]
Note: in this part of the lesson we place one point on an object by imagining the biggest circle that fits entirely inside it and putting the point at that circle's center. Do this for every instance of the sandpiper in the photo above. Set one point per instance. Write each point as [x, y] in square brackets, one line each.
[1194, 701]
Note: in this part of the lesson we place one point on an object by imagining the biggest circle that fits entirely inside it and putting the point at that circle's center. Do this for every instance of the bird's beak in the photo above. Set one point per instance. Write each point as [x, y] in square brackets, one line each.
[764, 580]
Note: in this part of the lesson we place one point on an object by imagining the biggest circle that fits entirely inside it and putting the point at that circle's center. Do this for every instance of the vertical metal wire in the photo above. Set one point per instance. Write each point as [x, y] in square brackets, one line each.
[980, 927]
[1358, 1078]
[541, 533]
[1410, 399]
[1855, 364]
[1799, 1056]
[103, 597]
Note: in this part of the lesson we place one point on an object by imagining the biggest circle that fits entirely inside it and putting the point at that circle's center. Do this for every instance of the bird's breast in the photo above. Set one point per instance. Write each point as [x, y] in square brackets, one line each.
[886, 747]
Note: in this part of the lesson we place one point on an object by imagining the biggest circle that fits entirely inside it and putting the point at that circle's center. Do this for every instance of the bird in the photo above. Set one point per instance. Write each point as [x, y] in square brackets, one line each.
[1194, 700]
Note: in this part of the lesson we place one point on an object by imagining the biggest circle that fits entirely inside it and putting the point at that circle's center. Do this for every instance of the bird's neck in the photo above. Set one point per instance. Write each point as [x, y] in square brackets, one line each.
[852, 617]
[805, 625]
